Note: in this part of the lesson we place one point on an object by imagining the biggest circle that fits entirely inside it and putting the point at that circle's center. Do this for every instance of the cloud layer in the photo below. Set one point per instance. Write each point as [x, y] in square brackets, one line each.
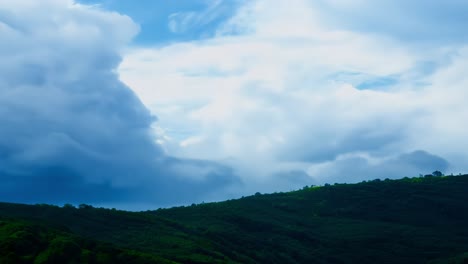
[278, 96]
[71, 130]
[290, 89]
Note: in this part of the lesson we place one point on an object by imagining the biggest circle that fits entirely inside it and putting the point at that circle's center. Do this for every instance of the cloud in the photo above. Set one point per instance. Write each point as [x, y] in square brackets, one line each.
[181, 22]
[289, 88]
[356, 168]
[71, 130]
[281, 95]
[431, 22]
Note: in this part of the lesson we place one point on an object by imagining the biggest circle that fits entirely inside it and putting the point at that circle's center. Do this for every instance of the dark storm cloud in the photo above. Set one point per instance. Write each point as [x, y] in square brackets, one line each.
[70, 130]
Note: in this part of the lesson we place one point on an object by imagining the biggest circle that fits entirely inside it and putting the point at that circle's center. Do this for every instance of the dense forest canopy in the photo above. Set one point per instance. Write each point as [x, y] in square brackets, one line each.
[412, 220]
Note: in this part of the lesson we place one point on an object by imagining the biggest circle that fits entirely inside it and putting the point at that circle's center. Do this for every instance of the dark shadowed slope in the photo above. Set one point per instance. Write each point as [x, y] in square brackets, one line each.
[417, 220]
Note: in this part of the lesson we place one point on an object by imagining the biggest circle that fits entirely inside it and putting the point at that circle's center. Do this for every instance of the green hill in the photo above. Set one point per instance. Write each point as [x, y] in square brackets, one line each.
[417, 220]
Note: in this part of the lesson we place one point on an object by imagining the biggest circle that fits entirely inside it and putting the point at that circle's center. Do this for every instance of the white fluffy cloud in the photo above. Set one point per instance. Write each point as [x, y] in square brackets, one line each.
[282, 88]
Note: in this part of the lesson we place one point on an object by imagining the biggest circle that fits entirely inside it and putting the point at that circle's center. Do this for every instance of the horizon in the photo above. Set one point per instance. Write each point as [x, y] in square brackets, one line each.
[78, 205]
[153, 104]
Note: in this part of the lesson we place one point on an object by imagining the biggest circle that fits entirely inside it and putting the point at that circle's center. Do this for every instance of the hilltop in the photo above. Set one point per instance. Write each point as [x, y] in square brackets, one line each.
[411, 220]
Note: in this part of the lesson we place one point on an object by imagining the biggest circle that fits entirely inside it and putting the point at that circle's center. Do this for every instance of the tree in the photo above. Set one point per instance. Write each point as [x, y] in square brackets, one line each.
[437, 173]
[69, 206]
[85, 206]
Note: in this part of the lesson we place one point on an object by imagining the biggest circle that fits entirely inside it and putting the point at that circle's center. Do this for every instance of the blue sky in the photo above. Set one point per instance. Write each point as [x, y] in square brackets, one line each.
[155, 16]
[141, 104]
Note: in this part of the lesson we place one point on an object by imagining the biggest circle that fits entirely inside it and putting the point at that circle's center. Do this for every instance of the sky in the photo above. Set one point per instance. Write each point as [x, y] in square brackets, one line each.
[146, 104]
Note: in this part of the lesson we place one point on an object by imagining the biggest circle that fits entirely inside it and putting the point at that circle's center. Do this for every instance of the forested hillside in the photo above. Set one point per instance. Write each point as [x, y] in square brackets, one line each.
[412, 220]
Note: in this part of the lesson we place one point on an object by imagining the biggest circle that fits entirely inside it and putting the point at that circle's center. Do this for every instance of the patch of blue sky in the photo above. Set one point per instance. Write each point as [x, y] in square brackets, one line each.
[427, 67]
[377, 83]
[163, 21]
[364, 81]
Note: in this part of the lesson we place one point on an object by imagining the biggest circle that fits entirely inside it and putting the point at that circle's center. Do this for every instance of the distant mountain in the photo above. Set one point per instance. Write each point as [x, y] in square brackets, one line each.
[412, 220]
